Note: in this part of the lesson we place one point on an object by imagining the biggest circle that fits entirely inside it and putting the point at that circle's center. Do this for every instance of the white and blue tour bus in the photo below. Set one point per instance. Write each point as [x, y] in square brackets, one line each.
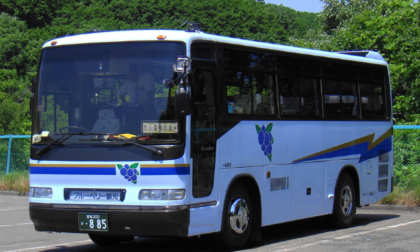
[179, 133]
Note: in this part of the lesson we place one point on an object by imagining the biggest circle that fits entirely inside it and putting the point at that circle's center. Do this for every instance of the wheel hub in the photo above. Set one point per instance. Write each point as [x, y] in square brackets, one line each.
[238, 216]
[346, 201]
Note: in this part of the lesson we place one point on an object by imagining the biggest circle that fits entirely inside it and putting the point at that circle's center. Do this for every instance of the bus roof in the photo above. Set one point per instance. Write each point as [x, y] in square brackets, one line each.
[188, 37]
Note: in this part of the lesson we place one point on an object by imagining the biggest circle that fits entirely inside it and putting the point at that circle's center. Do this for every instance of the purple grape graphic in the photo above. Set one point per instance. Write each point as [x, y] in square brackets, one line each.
[134, 177]
[266, 139]
[129, 172]
[123, 171]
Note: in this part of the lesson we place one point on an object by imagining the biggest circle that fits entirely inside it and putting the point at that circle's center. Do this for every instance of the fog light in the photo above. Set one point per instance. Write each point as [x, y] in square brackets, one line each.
[40, 192]
[162, 194]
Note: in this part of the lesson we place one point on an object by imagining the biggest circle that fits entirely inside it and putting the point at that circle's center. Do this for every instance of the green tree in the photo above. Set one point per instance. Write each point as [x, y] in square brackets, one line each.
[391, 27]
[14, 93]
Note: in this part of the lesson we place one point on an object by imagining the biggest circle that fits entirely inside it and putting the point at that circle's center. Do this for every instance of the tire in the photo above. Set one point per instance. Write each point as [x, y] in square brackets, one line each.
[237, 217]
[102, 240]
[344, 202]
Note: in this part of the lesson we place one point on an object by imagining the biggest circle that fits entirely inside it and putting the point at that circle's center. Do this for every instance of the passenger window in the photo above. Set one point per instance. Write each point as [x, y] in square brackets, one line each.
[242, 58]
[289, 96]
[299, 96]
[293, 65]
[372, 100]
[340, 98]
[249, 93]
[349, 99]
[332, 98]
[309, 92]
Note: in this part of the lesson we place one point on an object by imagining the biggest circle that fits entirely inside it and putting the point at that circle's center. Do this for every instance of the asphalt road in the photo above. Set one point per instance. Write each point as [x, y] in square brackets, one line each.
[373, 230]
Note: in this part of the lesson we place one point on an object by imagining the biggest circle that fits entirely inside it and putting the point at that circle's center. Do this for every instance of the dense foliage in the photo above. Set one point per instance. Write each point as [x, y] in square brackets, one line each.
[391, 27]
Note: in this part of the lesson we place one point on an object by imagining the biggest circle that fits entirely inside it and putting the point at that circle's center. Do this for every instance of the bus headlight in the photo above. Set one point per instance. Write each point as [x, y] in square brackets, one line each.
[162, 194]
[40, 192]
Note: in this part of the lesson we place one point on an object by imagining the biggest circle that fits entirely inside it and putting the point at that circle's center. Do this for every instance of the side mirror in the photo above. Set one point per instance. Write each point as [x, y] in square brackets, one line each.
[182, 64]
[182, 101]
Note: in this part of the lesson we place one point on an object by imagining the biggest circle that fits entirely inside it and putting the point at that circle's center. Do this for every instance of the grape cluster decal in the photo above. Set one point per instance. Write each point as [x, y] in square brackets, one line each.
[265, 139]
[130, 173]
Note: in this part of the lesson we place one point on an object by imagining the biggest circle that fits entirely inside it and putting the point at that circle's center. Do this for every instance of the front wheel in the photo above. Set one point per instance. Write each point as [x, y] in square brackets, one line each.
[237, 217]
[344, 202]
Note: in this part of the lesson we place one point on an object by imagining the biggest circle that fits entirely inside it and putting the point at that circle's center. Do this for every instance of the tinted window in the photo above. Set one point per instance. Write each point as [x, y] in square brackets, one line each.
[293, 65]
[372, 73]
[340, 98]
[202, 51]
[241, 58]
[249, 93]
[372, 100]
[299, 96]
[339, 70]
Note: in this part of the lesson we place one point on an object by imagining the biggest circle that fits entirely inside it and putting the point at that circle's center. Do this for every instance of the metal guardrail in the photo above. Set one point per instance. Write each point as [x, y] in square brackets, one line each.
[9, 149]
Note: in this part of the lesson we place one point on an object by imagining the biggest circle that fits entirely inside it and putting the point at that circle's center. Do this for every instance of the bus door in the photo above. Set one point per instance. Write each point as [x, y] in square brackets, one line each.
[203, 137]
[203, 152]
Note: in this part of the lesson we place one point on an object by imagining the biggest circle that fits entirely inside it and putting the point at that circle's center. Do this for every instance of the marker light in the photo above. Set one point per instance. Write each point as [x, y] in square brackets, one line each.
[161, 37]
[162, 194]
[40, 192]
[54, 43]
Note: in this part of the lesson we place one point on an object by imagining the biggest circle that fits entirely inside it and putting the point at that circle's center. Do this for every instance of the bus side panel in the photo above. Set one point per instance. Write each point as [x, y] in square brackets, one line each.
[369, 176]
[276, 194]
[308, 190]
[204, 220]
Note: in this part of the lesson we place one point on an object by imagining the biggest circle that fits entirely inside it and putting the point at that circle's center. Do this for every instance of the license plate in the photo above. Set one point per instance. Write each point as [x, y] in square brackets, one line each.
[93, 221]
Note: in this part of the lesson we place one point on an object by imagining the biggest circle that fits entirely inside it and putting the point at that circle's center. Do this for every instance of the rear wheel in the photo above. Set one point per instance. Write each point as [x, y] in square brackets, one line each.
[344, 202]
[237, 217]
[103, 240]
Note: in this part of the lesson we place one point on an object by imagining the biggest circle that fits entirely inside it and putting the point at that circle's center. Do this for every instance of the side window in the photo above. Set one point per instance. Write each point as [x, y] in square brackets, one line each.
[289, 96]
[249, 93]
[350, 104]
[299, 96]
[242, 58]
[372, 100]
[340, 98]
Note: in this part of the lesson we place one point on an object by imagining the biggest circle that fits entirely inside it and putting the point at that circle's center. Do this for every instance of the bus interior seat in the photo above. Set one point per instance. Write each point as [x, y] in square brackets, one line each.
[242, 101]
[107, 122]
[290, 105]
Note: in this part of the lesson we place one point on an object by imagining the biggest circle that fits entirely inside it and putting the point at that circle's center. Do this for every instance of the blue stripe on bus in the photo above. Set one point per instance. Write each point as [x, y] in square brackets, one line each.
[361, 149]
[165, 171]
[72, 171]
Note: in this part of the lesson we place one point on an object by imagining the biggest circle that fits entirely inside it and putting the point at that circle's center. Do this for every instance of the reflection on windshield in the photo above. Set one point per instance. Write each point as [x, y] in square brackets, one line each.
[108, 88]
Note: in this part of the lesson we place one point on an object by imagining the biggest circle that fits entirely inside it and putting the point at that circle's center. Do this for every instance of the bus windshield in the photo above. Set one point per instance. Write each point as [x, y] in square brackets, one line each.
[113, 88]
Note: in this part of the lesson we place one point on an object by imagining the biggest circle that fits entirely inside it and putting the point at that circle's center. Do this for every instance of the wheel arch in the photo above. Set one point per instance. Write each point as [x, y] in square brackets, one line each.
[251, 185]
[352, 171]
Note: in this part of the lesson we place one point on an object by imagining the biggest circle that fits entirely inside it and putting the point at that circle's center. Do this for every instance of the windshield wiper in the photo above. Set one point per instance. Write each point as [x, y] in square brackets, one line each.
[65, 136]
[46, 148]
[155, 151]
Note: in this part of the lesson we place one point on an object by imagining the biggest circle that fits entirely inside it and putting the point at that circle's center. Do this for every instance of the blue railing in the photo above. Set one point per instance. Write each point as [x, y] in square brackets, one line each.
[9, 148]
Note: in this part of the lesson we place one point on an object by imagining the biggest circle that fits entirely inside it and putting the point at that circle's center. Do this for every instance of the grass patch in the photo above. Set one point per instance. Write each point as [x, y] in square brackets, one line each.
[15, 181]
[399, 196]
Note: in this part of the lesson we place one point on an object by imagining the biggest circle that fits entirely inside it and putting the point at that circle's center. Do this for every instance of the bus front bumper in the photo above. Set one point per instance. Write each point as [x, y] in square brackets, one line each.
[123, 221]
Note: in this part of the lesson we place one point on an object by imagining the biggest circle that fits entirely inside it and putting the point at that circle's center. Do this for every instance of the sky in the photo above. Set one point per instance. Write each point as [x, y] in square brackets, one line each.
[300, 5]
